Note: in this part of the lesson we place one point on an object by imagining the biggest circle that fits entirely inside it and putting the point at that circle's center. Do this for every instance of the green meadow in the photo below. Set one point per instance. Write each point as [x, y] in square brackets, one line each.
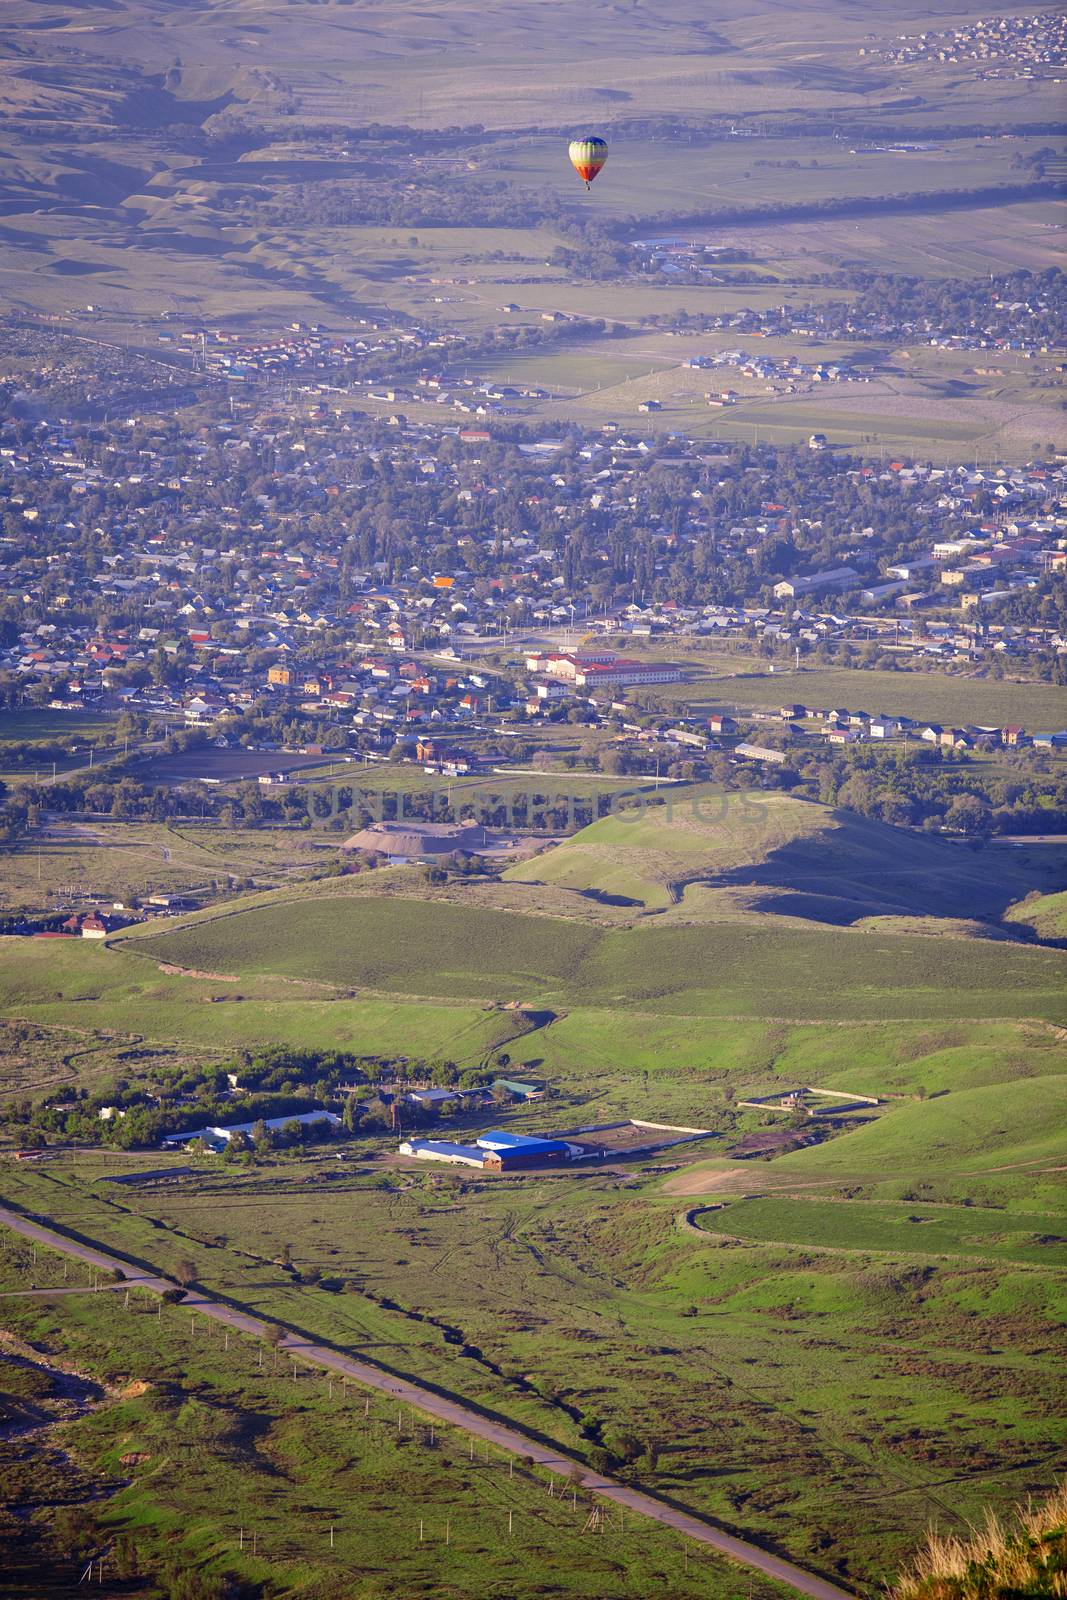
[428, 948]
[783, 1383]
[201, 1442]
[49, 727]
[901, 1281]
[1038, 1238]
[938, 696]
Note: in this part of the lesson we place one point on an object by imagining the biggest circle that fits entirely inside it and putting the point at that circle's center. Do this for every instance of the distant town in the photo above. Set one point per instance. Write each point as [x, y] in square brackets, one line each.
[294, 590]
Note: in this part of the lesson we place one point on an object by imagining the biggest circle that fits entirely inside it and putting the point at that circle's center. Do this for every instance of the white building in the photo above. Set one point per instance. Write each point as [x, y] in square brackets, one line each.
[218, 1138]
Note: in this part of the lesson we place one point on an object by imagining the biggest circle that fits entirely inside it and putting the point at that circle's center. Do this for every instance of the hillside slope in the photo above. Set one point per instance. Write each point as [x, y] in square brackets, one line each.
[718, 853]
[767, 968]
[965, 1131]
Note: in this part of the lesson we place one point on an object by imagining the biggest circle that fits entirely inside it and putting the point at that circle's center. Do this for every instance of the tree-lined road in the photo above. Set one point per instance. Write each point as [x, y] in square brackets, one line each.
[444, 1409]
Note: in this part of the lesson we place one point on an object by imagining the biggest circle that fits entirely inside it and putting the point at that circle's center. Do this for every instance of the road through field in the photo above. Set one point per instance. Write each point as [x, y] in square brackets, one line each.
[443, 1408]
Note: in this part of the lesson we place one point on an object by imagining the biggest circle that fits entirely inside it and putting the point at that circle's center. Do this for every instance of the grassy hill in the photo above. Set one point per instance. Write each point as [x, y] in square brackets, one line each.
[396, 61]
[1046, 914]
[715, 853]
[424, 948]
[1035, 1239]
[966, 1131]
[647, 856]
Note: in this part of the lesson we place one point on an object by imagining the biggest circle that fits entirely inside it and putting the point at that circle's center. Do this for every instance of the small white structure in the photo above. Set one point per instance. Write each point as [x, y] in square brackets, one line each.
[218, 1138]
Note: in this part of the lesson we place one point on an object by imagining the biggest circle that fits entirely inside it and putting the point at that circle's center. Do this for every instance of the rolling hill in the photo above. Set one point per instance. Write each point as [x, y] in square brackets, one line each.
[965, 1131]
[719, 855]
[435, 948]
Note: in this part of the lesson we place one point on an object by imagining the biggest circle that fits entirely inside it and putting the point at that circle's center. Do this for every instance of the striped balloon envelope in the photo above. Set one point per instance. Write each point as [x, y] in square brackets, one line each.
[588, 156]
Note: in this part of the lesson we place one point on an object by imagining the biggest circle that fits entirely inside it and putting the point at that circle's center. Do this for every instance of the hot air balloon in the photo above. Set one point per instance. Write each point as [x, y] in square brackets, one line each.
[588, 155]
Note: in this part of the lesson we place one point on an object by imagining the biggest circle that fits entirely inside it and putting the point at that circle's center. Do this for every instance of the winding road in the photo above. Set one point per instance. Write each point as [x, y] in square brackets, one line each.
[443, 1409]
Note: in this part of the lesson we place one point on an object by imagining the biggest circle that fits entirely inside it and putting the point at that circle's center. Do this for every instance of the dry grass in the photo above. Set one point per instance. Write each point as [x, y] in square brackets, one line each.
[1026, 1556]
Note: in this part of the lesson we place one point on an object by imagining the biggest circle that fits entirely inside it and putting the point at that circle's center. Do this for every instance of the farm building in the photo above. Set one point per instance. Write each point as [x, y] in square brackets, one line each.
[218, 1138]
[519, 1090]
[495, 1152]
[760, 752]
[502, 1151]
[524, 1150]
[456, 1155]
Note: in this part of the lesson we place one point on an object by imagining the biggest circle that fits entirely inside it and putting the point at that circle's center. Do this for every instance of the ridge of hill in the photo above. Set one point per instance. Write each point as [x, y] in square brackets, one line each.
[717, 853]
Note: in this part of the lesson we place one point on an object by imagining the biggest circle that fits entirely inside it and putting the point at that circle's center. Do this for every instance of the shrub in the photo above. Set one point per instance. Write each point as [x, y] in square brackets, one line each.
[1025, 1555]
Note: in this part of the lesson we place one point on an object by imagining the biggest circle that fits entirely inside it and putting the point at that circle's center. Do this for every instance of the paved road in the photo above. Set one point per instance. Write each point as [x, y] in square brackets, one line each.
[404, 1392]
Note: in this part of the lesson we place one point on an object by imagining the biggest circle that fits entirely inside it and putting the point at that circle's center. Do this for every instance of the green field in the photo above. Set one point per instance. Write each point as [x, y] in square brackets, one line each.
[429, 948]
[334, 1491]
[1038, 1238]
[53, 743]
[779, 1380]
[49, 727]
[939, 696]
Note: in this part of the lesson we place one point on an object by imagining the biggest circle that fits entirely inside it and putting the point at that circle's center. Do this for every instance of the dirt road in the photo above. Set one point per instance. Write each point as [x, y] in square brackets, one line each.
[431, 1404]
